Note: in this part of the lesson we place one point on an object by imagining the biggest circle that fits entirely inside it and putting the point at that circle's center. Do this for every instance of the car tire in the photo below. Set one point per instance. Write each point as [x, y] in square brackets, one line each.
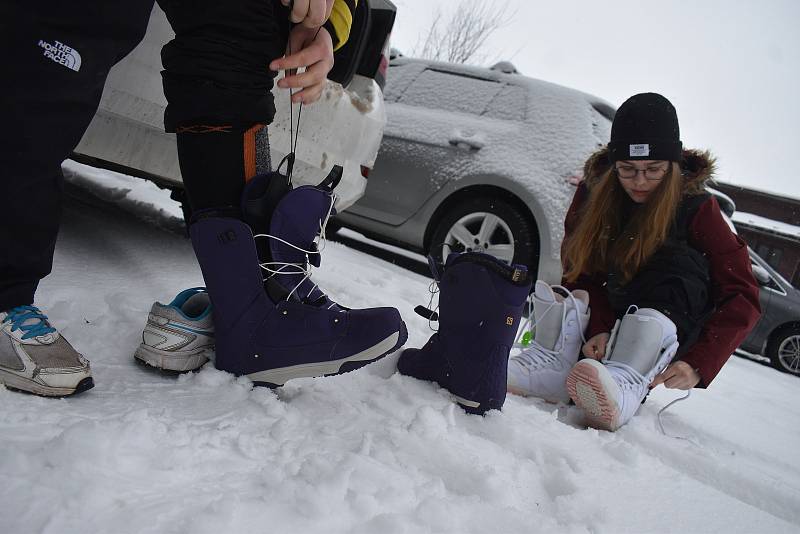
[783, 349]
[508, 233]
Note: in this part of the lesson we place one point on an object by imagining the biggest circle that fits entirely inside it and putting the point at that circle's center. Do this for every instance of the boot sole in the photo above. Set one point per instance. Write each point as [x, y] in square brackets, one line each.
[587, 390]
[166, 361]
[277, 377]
[25, 385]
[523, 393]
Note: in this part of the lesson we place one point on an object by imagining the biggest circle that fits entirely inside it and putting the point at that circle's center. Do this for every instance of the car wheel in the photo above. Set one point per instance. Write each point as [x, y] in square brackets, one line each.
[490, 225]
[783, 350]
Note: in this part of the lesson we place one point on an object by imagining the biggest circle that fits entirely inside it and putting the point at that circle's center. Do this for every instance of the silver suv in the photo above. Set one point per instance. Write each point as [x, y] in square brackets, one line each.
[480, 159]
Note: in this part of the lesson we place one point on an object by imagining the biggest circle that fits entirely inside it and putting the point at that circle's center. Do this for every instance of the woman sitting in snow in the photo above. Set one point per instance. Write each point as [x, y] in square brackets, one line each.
[647, 246]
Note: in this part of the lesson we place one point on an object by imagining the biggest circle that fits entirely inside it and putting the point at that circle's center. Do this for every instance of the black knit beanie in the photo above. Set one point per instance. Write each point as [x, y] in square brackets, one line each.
[645, 127]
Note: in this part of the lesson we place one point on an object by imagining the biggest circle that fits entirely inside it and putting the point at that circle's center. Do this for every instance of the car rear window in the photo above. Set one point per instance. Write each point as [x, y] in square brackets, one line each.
[451, 92]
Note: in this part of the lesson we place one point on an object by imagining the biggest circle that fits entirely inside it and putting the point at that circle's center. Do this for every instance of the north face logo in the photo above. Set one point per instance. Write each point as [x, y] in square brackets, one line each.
[62, 54]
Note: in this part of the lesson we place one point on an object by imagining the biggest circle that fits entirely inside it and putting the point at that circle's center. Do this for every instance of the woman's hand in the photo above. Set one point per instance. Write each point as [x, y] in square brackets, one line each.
[677, 375]
[311, 50]
[595, 347]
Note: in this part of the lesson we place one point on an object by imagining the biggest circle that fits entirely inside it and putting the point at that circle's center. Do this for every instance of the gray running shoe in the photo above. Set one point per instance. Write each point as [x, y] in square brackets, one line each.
[179, 336]
[35, 357]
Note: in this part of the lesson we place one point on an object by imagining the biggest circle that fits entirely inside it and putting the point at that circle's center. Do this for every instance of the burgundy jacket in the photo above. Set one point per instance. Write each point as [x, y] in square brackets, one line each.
[734, 289]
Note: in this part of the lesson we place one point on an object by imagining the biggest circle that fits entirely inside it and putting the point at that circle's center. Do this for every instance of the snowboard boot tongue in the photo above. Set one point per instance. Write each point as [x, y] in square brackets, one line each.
[548, 311]
[288, 222]
[297, 221]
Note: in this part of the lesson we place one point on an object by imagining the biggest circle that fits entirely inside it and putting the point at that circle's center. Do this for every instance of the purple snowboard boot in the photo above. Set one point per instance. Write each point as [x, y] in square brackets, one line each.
[270, 330]
[480, 305]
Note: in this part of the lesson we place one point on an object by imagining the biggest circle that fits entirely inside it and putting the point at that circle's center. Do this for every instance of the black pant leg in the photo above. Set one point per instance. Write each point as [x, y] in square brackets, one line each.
[217, 83]
[58, 57]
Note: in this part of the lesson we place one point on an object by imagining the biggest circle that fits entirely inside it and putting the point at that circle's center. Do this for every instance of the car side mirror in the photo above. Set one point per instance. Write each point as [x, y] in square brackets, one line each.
[761, 274]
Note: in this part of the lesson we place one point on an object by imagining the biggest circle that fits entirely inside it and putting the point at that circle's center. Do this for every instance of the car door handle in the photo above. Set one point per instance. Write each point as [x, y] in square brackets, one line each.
[464, 142]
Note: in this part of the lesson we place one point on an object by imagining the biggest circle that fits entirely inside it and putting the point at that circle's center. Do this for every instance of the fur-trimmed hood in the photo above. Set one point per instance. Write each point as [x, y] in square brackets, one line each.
[698, 167]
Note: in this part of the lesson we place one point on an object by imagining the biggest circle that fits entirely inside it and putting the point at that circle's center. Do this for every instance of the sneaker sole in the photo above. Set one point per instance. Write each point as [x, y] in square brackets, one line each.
[15, 382]
[586, 389]
[277, 377]
[170, 361]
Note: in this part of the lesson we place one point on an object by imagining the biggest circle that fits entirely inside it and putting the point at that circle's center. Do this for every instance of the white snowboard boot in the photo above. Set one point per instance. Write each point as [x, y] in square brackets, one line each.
[642, 344]
[541, 369]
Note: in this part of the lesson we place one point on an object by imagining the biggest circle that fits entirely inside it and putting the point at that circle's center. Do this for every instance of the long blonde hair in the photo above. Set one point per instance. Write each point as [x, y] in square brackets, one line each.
[602, 235]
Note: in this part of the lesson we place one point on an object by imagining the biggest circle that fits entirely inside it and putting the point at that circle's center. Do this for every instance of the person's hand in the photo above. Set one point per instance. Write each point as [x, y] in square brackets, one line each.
[309, 13]
[677, 375]
[311, 49]
[595, 347]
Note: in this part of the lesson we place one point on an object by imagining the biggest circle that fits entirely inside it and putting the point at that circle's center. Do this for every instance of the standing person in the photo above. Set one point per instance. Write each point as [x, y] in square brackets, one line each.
[647, 248]
[218, 73]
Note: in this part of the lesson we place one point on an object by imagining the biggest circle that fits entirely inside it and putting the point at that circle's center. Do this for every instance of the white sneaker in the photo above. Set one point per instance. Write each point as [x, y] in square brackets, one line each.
[35, 357]
[179, 336]
[642, 344]
[541, 369]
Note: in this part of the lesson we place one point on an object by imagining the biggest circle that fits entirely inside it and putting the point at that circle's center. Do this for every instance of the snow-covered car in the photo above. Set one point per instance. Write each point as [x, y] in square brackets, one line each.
[344, 127]
[777, 333]
[477, 158]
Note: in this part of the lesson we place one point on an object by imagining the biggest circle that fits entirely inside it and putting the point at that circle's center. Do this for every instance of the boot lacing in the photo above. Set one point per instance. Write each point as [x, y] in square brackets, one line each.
[535, 355]
[305, 268]
[629, 377]
[433, 289]
[664, 409]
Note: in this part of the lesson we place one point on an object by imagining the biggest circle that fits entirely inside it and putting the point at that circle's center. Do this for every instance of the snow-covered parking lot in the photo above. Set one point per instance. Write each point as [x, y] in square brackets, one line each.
[369, 451]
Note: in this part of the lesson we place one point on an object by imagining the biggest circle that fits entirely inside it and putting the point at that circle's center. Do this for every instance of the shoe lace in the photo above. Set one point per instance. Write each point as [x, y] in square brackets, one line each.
[30, 320]
[661, 423]
[536, 356]
[275, 268]
[627, 377]
[528, 326]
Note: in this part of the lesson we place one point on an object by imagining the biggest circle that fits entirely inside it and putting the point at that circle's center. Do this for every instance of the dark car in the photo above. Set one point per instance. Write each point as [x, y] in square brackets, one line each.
[777, 333]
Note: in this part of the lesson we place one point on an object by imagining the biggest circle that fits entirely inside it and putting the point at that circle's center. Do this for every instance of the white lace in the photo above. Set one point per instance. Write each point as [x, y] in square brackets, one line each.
[536, 356]
[433, 289]
[533, 324]
[630, 378]
[288, 268]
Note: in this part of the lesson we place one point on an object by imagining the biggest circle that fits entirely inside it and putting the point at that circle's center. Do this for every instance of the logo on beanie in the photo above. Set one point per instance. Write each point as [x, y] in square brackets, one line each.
[638, 151]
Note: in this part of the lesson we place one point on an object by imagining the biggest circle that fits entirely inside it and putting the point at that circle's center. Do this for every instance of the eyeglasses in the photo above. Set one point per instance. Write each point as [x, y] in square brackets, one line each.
[629, 172]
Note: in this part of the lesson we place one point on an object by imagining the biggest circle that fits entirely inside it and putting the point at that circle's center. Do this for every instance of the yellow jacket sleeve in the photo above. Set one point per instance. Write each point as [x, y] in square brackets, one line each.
[340, 21]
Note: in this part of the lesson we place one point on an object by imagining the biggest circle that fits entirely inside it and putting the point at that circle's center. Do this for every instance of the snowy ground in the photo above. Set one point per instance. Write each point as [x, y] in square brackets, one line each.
[369, 451]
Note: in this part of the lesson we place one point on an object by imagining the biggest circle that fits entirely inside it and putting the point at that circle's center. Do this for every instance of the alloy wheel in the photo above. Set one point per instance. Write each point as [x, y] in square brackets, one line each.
[480, 232]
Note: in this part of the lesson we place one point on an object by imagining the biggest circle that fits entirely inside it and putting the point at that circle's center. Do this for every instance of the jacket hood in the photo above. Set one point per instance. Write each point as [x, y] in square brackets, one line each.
[698, 167]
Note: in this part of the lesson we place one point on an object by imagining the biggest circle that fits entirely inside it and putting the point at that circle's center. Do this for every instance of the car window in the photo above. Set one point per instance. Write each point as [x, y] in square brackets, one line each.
[398, 78]
[451, 92]
[510, 103]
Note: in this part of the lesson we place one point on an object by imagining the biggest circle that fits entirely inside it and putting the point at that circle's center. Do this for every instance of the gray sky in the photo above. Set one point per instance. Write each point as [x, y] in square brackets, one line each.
[730, 67]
